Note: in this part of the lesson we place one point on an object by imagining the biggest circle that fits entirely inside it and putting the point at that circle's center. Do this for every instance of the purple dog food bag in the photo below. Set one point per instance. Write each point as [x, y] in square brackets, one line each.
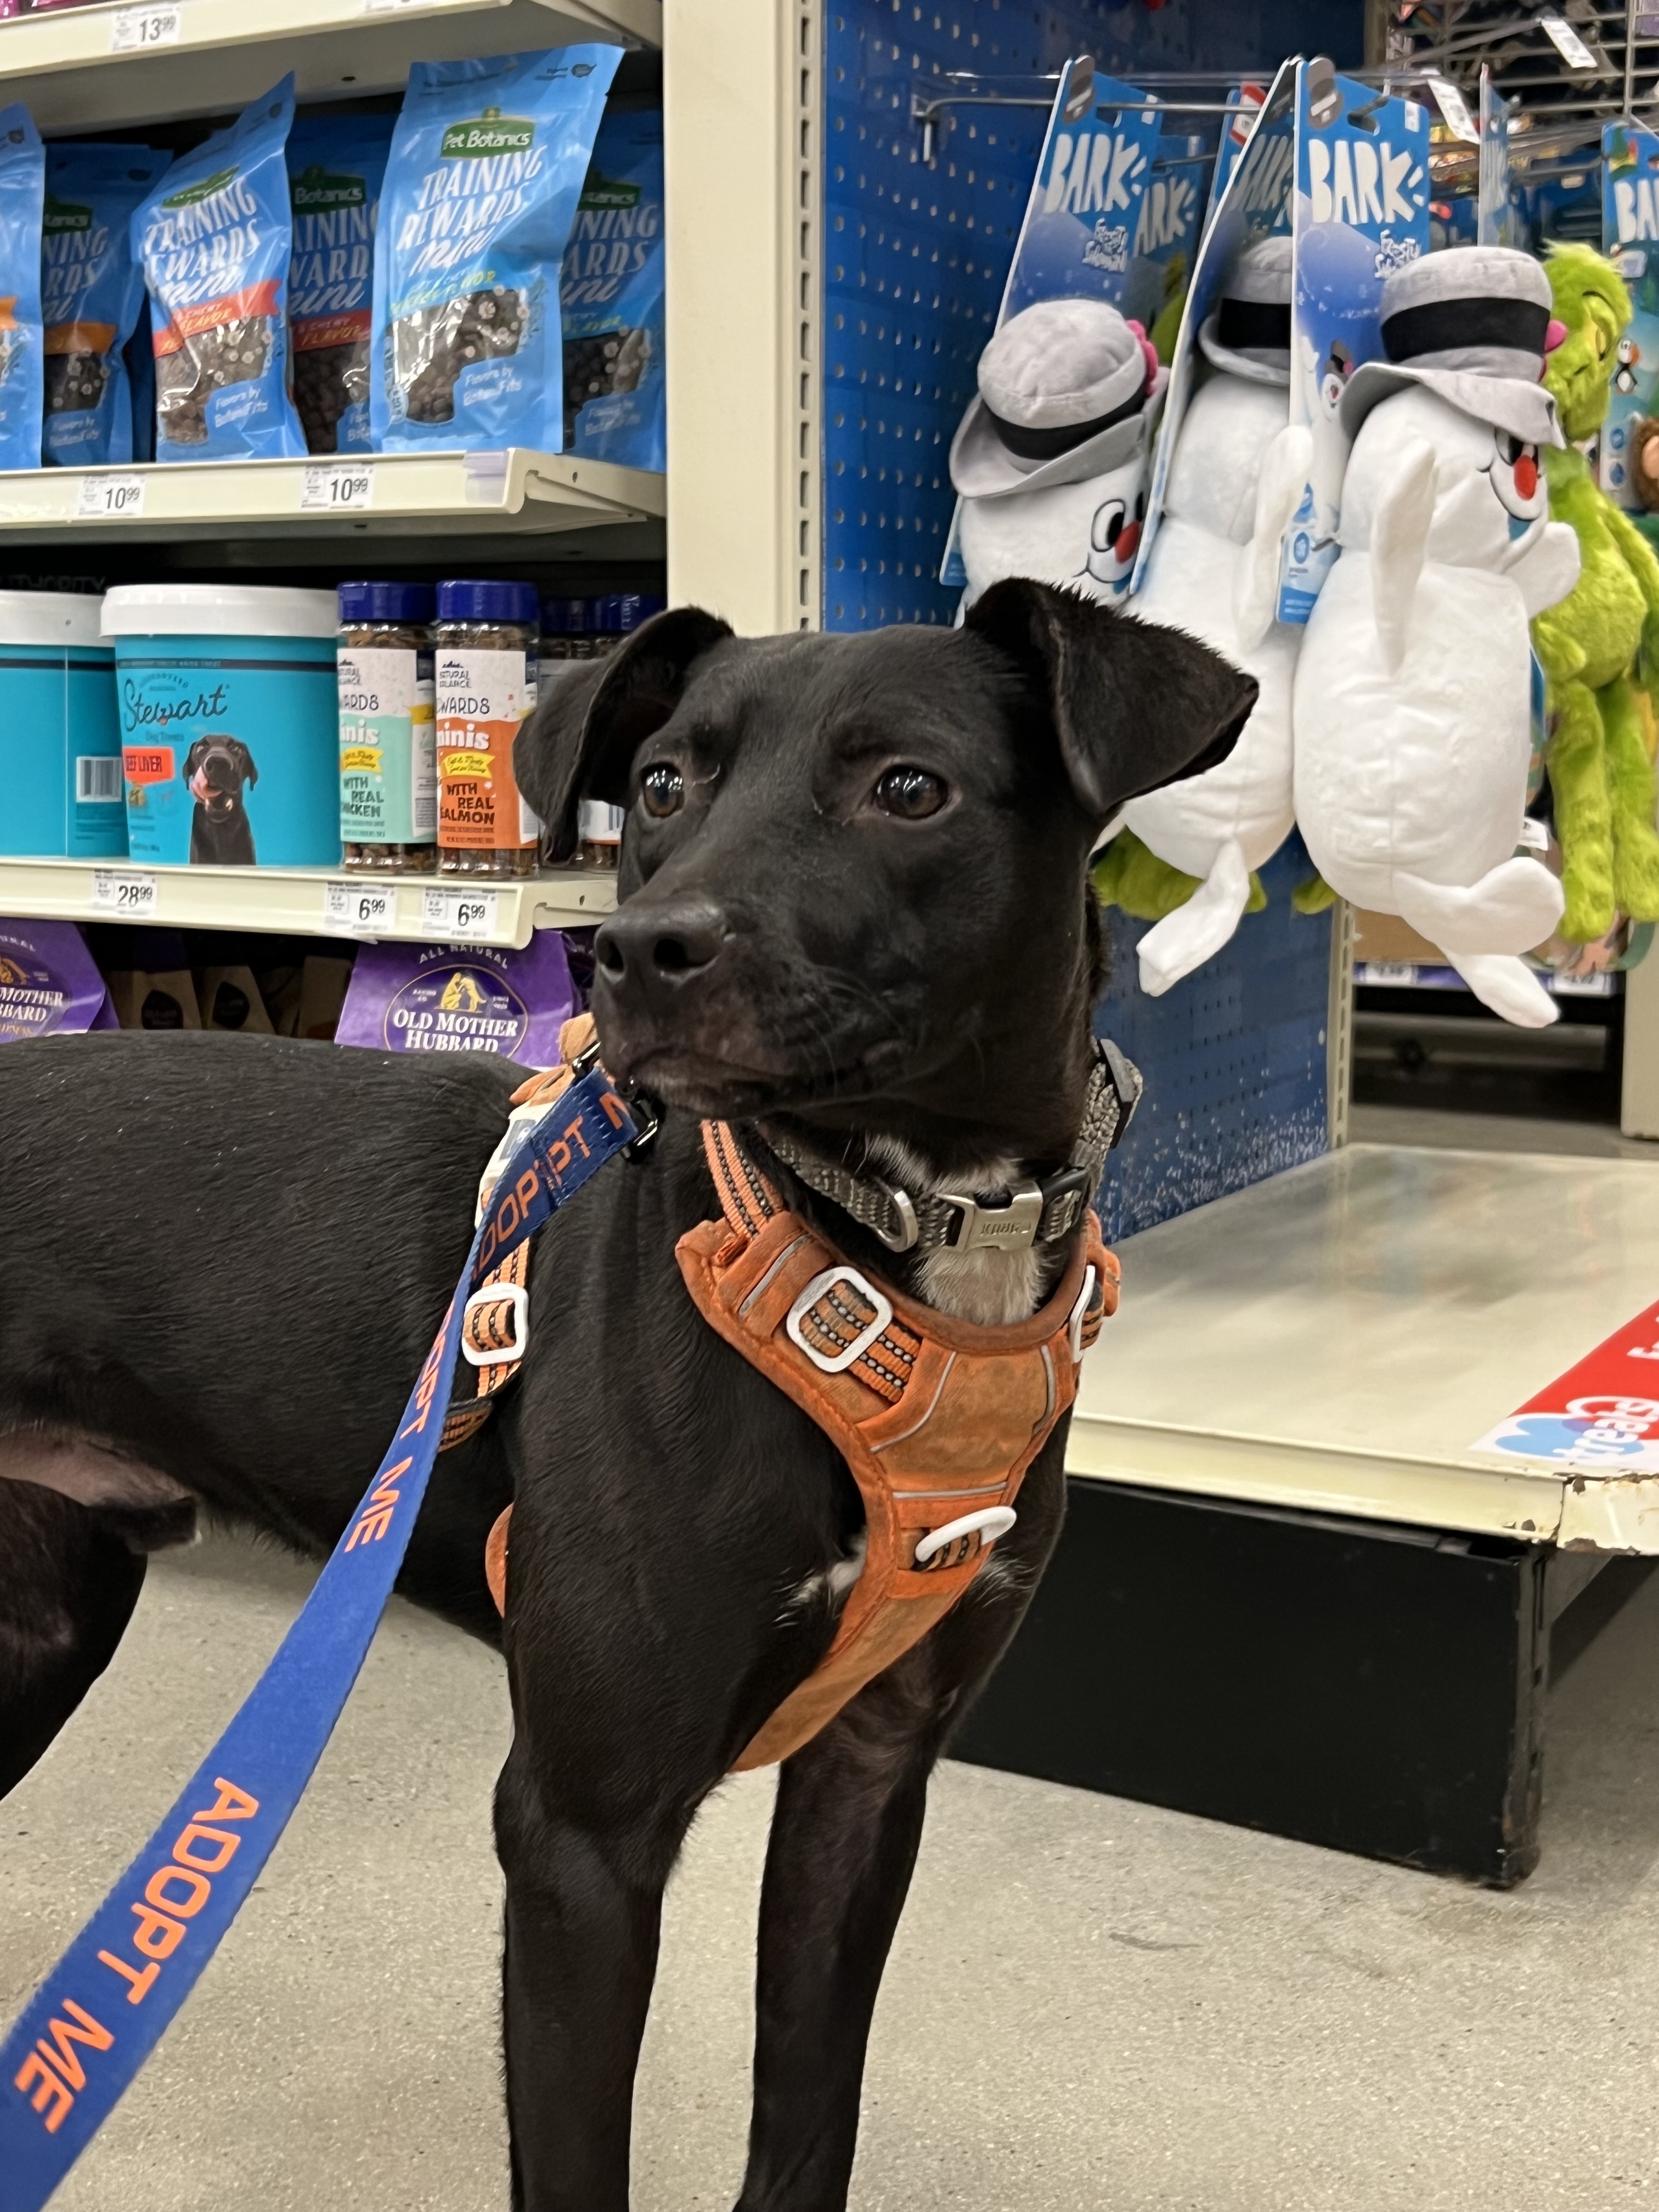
[461, 998]
[49, 983]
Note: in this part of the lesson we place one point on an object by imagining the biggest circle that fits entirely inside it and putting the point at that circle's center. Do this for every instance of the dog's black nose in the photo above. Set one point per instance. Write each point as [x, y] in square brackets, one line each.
[661, 948]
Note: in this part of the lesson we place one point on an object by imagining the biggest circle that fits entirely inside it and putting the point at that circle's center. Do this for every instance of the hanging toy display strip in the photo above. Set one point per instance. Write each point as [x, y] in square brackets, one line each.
[1412, 713]
[1237, 473]
[1599, 647]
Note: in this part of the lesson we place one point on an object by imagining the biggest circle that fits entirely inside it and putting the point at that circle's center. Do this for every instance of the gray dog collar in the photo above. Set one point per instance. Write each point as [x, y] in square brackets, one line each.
[1030, 1212]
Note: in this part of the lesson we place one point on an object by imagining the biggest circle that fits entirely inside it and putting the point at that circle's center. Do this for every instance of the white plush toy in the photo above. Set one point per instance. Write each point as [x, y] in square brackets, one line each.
[1412, 712]
[1236, 475]
[1050, 457]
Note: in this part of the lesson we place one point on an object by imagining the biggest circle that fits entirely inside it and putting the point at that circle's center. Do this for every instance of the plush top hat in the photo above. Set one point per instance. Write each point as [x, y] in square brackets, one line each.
[1065, 393]
[1249, 333]
[1473, 325]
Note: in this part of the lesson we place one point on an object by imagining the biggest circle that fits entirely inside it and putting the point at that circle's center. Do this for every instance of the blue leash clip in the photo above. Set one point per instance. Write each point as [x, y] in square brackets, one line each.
[111, 1997]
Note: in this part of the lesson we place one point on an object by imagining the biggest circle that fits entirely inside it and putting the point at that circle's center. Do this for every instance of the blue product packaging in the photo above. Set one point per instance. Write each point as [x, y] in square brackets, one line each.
[60, 744]
[213, 239]
[91, 290]
[486, 166]
[334, 168]
[22, 204]
[611, 299]
[229, 729]
[1630, 183]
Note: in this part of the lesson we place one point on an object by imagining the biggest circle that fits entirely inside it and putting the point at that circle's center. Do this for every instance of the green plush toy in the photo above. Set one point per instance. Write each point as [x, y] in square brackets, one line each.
[1127, 874]
[1602, 642]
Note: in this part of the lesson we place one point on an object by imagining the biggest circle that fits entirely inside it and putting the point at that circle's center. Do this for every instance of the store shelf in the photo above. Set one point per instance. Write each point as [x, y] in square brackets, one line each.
[1425, 975]
[399, 494]
[1337, 1337]
[222, 54]
[297, 901]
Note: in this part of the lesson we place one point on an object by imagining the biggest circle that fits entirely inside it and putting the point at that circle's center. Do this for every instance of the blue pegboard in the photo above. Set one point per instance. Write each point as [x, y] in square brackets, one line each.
[1234, 1058]
[915, 262]
[915, 258]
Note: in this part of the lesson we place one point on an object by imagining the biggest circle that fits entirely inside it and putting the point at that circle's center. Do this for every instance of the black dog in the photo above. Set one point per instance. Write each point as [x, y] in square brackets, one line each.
[215, 769]
[854, 908]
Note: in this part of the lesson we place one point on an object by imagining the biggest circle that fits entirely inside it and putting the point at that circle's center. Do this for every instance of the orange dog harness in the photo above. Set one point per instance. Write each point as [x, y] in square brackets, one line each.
[937, 1419]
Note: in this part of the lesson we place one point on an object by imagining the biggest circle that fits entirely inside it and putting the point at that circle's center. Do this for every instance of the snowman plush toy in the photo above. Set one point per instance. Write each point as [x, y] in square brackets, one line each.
[1411, 709]
[1050, 457]
[1237, 474]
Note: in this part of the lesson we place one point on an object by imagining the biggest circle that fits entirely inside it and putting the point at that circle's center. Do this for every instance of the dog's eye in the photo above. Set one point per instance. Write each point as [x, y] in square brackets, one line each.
[662, 787]
[912, 793]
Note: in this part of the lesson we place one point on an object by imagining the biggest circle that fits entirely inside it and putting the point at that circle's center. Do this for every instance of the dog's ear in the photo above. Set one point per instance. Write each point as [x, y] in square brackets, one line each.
[244, 761]
[192, 758]
[1132, 705]
[582, 737]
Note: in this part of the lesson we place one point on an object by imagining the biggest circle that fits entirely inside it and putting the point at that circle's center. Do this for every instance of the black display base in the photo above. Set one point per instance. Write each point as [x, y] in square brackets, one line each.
[1375, 1688]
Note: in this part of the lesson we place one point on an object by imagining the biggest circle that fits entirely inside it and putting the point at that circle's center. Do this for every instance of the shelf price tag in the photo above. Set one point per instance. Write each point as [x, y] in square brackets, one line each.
[451, 915]
[1454, 109]
[105, 498]
[136, 30]
[360, 909]
[131, 897]
[336, 487]
[1566, 41]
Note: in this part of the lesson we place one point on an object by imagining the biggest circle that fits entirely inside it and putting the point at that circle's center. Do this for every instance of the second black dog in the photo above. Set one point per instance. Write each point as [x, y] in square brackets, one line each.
[215, 770]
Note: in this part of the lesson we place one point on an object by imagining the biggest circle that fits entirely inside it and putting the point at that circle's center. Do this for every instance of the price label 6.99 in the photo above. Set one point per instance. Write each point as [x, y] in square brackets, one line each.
[360, 909]
[453, 914]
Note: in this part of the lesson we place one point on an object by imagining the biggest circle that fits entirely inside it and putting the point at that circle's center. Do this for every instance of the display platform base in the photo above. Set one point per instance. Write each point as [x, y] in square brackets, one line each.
[1291, 1593]
[1374, 1688]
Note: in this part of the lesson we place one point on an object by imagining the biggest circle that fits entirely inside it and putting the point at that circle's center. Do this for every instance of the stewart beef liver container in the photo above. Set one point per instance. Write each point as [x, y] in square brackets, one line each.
[60, 748]
[229, 726]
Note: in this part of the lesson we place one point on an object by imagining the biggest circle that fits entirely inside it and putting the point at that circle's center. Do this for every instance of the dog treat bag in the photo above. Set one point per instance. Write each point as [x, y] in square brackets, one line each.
[91, 290]
[22, 196]
[461, 998]
[611, 298]
[214, 239]
[481, 191]
[49, 984]
[335, 165]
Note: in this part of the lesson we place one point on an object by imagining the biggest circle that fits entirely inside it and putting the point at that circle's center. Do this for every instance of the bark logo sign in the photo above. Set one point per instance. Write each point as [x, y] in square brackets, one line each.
[1601, 1415]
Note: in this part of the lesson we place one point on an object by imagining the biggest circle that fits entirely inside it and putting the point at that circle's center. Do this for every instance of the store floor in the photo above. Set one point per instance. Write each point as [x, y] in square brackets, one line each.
[1094, 2006]
[1492, 1132]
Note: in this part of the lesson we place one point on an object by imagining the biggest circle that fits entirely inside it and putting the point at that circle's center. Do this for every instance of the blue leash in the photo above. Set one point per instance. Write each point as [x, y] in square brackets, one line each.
[108, 2001]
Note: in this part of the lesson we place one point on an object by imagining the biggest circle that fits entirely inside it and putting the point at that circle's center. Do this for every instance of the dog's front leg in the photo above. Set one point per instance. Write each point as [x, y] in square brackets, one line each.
[584, 1912]
[845, 1833]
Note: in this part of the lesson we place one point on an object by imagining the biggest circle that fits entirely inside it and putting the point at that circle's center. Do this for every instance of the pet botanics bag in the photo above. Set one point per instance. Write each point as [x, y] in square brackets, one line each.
[22, 196]
[481, 191]
[335, 165]
[611, 298]
[213, 239]
[91, 291]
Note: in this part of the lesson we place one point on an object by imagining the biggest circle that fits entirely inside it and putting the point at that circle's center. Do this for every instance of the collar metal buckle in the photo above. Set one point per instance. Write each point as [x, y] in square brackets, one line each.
[1009, 1227]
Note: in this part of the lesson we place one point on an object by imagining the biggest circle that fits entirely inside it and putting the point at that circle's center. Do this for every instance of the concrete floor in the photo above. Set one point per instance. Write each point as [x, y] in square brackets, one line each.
[1094, 2006]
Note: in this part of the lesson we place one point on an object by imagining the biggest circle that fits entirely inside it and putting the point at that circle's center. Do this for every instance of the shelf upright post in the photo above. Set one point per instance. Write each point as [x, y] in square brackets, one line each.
[742, 107]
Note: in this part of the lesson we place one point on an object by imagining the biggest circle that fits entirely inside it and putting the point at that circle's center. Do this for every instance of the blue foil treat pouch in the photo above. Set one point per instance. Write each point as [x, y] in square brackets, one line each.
[610, 299]
[91, 291]
[334, 168]
[481, 191]
[23, 198]
[214, 239]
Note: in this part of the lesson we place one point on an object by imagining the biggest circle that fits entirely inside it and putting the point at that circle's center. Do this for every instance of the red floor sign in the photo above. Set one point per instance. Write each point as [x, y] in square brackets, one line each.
[1599, 1414]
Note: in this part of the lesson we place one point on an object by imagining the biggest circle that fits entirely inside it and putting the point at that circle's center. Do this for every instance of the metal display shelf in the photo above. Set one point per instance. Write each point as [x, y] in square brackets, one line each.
[185, 58]
[1336, 1338]
[297, 901]
[397, 494]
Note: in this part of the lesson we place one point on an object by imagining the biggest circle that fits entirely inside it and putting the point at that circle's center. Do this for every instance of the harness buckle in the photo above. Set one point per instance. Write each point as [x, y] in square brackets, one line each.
[1010, 1226]
[937, 1548]
[908, 1227]
[837, 1363]
[514, 1295]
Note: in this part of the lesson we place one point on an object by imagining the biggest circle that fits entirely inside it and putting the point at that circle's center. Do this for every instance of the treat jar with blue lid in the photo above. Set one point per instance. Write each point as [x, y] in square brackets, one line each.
[60, 744]
[485, 650]
[229, 723]
[388, 771]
